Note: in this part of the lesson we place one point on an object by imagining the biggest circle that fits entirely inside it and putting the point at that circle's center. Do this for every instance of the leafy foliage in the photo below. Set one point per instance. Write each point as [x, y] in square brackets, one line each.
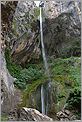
[29, 89]
[63, 71]
[27, 76]
[23, 76]
[66, 71]
[13, 68]
[74, 99]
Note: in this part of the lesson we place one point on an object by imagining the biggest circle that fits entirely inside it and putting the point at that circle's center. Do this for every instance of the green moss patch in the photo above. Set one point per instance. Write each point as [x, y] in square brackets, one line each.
[30, 89]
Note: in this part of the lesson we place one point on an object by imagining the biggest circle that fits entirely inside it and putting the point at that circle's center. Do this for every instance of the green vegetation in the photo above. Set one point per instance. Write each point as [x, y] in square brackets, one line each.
[4, 118]
[36, 12]
[74, 99]
[27, 76]
[23, 76]
[14, 28]
[29, 90]
[64, 72]
[67, 70]
[12, 67]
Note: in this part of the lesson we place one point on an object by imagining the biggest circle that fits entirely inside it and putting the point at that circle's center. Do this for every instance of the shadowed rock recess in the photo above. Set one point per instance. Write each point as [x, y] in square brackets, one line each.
[25, 84]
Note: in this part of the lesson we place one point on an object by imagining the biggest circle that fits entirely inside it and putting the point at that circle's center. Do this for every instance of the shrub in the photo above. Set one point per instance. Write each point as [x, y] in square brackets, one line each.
[24, 76]
[13, 68]
[74, 99]
[27, 76]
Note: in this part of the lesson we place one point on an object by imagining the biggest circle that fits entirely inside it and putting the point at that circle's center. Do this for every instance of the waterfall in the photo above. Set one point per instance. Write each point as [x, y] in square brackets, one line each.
[44, 107]
[42, 99]
[43, 48]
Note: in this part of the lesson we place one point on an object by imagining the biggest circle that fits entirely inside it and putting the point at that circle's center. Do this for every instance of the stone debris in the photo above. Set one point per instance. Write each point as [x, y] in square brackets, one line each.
[66, 115]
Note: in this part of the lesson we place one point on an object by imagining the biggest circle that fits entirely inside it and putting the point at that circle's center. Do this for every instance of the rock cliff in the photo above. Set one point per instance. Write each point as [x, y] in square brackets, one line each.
[61, 28]
[22, 47]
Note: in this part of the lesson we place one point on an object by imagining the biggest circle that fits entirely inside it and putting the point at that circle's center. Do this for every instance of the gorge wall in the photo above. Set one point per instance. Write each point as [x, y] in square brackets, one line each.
[22, 47]
[61, 28]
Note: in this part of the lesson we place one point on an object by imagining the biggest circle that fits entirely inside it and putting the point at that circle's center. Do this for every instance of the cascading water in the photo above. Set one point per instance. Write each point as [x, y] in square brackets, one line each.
[43, 48]
[44, 107]
[42, 99]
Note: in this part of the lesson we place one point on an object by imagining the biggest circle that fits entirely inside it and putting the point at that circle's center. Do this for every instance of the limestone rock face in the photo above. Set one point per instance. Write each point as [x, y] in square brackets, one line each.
[61, 28]
[25, 44]
[26, 49]
[62, 36]
[54, 8]
[7, 12]
[7, 86]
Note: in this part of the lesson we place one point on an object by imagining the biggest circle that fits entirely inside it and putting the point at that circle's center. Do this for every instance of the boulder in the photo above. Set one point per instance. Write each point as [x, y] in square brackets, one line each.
[28, 114]
[66, 115]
